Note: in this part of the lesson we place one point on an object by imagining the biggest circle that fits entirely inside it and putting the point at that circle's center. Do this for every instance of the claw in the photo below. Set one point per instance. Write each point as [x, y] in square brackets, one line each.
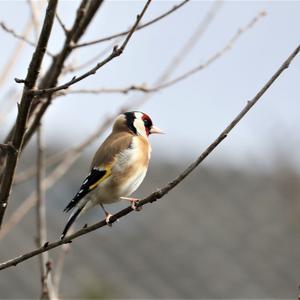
[134, 207]
[107, 219]
[134, 202]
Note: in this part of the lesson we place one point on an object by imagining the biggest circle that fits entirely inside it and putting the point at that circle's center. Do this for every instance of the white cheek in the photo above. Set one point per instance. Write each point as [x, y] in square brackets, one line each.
[139, 125]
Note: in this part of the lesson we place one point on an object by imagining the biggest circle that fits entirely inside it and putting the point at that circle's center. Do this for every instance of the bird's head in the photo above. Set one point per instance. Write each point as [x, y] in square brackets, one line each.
[137, 123]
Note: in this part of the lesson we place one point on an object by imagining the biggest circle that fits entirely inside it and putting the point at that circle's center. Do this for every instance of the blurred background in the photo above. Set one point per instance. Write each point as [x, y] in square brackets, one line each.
[232, 228]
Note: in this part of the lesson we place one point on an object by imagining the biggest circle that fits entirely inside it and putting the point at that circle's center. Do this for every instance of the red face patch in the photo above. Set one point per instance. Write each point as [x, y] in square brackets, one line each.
[147, 123]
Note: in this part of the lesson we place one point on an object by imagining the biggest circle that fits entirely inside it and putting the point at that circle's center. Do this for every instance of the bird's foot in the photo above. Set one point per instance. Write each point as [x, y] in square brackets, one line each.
[107, 219]
[133, 202]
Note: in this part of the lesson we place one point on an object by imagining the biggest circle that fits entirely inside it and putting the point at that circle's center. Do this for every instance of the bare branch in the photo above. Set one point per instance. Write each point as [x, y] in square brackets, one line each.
[45, 269]
[93, 59]
[117, 51]
[24, 107]
[199, 32]
[172, 184]
[108, 38]
[60, 265]
[10, 98]
[137, 88]
[21, 37]
[14, 55]
[62, 25]
[213, 58]
[35, 17]
[16, 35]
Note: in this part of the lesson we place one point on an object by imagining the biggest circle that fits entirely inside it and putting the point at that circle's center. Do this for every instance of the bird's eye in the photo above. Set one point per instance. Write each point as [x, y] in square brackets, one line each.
[146, 123]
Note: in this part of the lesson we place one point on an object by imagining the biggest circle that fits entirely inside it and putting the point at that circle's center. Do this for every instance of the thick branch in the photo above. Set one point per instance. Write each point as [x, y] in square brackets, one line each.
[163, 191]
[24, 107]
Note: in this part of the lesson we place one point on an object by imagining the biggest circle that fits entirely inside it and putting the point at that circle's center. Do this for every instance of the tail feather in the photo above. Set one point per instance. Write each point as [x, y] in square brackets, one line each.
[71, 220]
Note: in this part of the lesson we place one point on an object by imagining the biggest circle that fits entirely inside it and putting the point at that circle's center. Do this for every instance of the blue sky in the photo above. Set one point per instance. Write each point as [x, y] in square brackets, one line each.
[196, 110]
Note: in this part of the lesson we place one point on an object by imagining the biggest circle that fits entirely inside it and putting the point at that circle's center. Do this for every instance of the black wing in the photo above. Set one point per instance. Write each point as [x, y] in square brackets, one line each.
[89, 184]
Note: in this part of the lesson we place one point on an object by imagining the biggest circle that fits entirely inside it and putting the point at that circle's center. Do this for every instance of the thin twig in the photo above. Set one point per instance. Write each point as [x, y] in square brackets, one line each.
[136, 88]
[199, 32]
[8, 104]
[117, 51]
[35, 18]
[21, 37]
[47, 291]
[62, 25]
[16, 35]
[16, 52]
[60, 266]
[172, 184]
[213, 58]
[183, 52]
[93, 59]
[108, 38]
[24, 107]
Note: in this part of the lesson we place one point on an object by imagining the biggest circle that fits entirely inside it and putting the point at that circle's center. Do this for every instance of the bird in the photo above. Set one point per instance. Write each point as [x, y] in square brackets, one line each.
[118, 168]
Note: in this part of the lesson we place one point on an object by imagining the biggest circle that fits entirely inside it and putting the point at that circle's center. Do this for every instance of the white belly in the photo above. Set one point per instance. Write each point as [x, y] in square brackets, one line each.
[133, 183]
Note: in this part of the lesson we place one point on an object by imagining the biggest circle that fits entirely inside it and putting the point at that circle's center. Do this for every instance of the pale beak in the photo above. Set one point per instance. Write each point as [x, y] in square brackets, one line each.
[155, 129]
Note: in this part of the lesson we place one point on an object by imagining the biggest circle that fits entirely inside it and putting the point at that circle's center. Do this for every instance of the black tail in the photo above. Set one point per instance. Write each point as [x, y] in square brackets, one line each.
[71, 221]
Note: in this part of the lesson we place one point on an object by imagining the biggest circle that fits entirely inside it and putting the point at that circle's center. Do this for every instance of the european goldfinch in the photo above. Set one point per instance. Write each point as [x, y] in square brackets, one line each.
[119, 166]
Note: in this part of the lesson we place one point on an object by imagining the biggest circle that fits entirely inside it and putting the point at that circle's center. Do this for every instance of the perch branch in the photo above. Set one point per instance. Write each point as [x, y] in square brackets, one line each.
[172, 184]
